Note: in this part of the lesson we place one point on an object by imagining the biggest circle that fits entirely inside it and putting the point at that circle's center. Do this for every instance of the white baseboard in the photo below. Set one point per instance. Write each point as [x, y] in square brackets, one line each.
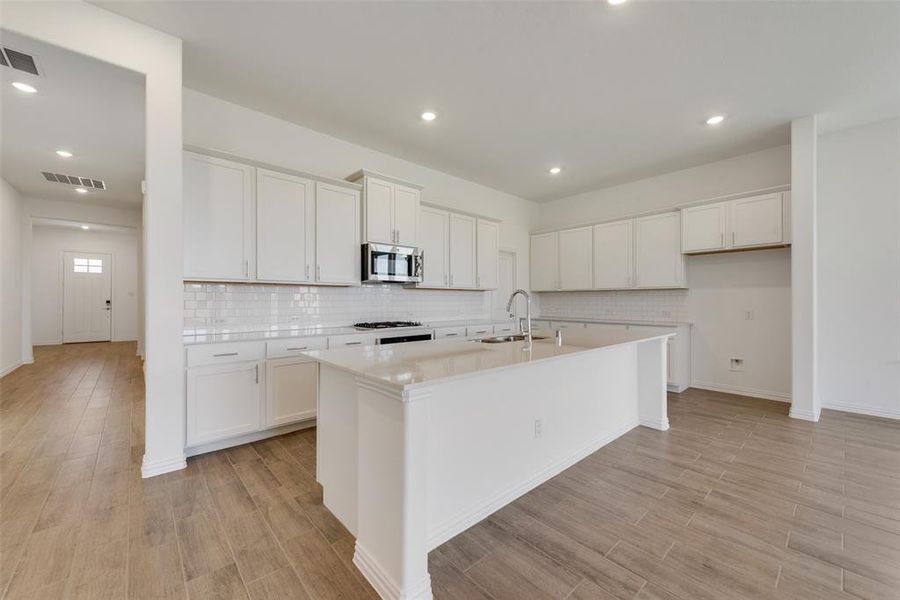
[806, 415]
[459, 524]
[742, 391]
[11, 368]
[660, 424]
[384, 584]
[152, 468]
[249, 437]
[864, 410]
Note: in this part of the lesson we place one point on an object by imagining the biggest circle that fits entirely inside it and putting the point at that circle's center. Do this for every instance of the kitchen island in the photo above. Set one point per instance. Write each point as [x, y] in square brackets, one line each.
[417, 442]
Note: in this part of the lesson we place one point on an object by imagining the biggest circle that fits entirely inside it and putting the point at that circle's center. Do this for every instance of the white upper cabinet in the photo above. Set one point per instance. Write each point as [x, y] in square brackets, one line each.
[756, 221]
[613, 255]
[545, 261]
[462, 251]
[488, 252]
[753, 222]
[434, 228]
[703, 228]
[390, 209]
[285, 227]
[218, 219]
[658, 262]
[337, 235]
[575, 259]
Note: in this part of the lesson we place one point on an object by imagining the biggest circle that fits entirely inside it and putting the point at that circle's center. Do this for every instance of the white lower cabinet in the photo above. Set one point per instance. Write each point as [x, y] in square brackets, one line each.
[224, 401]
[449, 333]
[292, 387]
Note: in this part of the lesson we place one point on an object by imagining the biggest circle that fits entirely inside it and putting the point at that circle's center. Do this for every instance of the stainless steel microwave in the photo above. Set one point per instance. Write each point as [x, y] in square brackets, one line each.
[386, 262]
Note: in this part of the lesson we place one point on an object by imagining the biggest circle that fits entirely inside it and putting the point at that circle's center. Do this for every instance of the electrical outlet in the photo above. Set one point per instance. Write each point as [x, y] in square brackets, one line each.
[538, 426]
[748, 315]
[737, 364]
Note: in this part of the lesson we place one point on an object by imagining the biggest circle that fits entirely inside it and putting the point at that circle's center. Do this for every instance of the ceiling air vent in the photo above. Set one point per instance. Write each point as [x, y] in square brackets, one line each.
[18, 60]
[97, 184]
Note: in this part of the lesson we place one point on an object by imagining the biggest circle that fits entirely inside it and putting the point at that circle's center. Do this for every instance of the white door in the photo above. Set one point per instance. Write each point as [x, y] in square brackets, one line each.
[658, 261]
[292, 386]
[218, 214]
[379, 211]
[613, 252]
[703, 228]
[406, 215]
[87, 297]
[544, 261]
[337, 234]
[575, 259]
[462, 251]
[223, 401]
[506, 285]
[434, 226]
[284, 227]
[756, 221]
[488, 248]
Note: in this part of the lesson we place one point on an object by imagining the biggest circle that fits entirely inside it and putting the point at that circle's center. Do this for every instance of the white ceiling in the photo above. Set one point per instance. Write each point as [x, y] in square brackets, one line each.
[609, 93]
[91, 108]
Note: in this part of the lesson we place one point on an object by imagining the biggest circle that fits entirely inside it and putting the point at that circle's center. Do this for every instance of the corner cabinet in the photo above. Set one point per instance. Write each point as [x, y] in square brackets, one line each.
[218, 219]
[337, 235]
[761, 221]
[390, 209]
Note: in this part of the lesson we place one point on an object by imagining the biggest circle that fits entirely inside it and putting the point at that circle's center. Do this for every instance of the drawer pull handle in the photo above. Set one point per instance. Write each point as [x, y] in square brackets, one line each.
[225, 354]
[450, 334]
[299, 348]
[352, 343]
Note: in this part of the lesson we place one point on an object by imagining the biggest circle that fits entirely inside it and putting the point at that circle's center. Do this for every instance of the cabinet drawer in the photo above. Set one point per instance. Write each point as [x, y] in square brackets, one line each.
[449, 333]
[293, 346]
[349, 341]
[479, 330]
[505, 328]
[217, 354]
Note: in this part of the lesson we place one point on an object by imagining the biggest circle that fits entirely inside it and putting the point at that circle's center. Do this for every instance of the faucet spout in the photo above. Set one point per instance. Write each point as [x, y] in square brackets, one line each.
[526, 332]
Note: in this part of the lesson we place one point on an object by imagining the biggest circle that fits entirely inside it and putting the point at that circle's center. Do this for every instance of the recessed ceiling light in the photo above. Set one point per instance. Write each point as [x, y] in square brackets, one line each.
[85, 227]
[24, 87]
[715, 119]
[617, 2]
[555, 170]
[428, 116]
[81, 190]
[64, 153]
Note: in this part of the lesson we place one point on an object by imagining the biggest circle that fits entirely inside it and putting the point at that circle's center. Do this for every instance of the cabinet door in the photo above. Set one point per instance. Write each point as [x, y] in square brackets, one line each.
[613, 253]
[544, 261]
[756, 221]
[703, 228]
[670, 361]
[575, 259]
[435, 228]
[488, 249]
[218, 218]
[379, 211]
[462, 251]
[406, 215]
[337, 234]
[284, 227]
[658, 261]
[223, 401]
[292, 387]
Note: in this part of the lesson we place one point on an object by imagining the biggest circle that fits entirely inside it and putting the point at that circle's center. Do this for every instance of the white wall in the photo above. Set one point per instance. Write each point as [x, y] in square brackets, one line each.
[48, 245]
[10, 278]
[859, 269]
[721, 287]
[219, 125]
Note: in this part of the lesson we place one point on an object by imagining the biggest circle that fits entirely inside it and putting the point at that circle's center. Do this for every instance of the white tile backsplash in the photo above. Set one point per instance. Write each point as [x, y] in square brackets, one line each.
[234, 307]
[664, 305]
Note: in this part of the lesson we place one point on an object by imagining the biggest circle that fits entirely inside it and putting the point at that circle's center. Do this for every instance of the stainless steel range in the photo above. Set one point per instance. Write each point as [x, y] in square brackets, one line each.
[415, 332]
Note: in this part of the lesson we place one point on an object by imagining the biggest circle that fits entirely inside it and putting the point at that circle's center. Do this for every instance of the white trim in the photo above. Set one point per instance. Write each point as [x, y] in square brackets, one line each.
[158, 467]
[12, 368]
[660, 424]
[742, 391]
[249, 437]
[870, 411]
[806, 415]
[466, 520]
[384, 584]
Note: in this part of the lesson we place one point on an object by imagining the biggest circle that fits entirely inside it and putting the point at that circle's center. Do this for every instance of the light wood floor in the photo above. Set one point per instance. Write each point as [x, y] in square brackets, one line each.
[736, 501]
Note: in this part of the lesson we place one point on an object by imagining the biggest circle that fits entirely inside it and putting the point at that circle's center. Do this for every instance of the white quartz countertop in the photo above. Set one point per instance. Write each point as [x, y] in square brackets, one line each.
[613, 321]
[424, 363]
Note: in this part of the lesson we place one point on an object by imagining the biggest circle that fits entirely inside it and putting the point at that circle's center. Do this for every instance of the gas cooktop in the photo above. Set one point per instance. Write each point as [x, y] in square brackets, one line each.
[386, 324]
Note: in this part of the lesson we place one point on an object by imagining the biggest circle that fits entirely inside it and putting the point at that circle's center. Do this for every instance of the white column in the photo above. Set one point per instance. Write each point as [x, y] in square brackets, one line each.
[805, 402]
[27, 348]
[651, 383]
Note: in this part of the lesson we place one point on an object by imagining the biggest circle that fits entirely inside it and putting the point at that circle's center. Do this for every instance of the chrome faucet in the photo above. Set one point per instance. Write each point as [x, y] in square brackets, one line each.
[526, 333]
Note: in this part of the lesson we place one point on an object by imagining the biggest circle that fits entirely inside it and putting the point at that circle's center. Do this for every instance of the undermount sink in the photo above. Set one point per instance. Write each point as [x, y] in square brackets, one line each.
[501, 339]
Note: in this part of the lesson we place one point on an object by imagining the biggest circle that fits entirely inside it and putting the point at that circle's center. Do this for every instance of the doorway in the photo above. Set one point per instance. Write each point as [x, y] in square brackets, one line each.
[87, 297]
[506, 285]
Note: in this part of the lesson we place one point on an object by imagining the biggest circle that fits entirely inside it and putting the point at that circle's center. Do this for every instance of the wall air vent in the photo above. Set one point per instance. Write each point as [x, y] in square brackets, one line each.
[97, 184]
[18, 60]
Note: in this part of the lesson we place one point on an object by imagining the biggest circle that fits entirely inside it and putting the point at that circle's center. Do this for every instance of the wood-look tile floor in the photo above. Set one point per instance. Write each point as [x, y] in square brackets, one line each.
[736, 501]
